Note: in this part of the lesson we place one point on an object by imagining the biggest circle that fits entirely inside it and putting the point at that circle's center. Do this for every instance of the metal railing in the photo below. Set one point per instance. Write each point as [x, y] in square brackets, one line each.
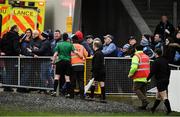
[117, 69]
[26, 72]
[36, 73]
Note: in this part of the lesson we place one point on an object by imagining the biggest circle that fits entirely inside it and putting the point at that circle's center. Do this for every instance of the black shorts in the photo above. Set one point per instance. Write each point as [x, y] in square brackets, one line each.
[63, 68]
[100, 77]
[162, 86]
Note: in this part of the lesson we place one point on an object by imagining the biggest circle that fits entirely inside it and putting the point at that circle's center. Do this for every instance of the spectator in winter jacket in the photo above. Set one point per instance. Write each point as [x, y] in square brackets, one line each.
[36, 42]
[109, 48]
[10, 43]
[45, 49]
[50, 35]
[26, 64]
[26, 43]
[79, 34]
[122, 52]
[89, 39]
[176, 45]
[146, 46]
[35, 45]
[125, 50]
[177, 29]
[172, 49]
[164, 28]
[11, 39]
[158, 42]
[169, 50]
[57, 38]
[132, 42]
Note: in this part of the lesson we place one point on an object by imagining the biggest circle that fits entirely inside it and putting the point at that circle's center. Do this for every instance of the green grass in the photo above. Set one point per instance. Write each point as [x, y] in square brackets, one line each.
[10, 112]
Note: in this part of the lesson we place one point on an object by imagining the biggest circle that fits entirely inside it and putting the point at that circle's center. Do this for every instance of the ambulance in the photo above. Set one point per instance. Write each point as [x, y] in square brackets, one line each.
[23, 13]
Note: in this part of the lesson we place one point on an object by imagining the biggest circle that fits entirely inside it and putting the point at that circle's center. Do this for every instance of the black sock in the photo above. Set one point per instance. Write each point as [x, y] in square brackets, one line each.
[68, 87]
[64, 86]
[156, 103]
[55, 85]
[103, 93]
[167, 104]
[92, 91]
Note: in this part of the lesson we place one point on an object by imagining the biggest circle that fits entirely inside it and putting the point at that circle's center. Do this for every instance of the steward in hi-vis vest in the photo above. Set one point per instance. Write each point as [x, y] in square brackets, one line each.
[77, 60]
[140, 68]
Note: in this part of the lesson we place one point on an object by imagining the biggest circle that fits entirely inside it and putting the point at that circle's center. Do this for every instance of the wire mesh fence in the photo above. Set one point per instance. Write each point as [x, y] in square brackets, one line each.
[9, 70]
[117, 81]
[26, 72]
[37, 73]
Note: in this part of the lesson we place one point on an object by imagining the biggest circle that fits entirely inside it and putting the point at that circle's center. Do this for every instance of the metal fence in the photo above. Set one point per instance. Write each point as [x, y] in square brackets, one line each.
[26, 72]
[117, 69]
[37, 73]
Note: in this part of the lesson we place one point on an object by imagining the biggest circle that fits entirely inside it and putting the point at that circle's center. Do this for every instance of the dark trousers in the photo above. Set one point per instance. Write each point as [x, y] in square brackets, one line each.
[35, 76]
[78, 75]
[11, 71]
[140, 90]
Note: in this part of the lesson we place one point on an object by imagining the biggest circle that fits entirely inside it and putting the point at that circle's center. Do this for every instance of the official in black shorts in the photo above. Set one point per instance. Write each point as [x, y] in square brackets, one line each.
[63, 68]
[162, 86]
[161, 72]
[63, 64]
[98, 70]
[100, 77]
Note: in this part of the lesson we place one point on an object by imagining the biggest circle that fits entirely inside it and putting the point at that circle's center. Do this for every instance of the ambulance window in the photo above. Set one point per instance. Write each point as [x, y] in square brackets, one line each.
[32, 4]
[22, 3]
[16, 3]
[2, 1]
[0, 23]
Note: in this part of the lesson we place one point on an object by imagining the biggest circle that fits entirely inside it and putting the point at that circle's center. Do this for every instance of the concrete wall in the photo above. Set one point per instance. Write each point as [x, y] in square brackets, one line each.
[56, 13]
[49, 15]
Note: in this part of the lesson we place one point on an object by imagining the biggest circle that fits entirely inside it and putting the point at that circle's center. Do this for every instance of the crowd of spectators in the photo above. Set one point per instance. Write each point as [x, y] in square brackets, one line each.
[34, 44]
[166, 38]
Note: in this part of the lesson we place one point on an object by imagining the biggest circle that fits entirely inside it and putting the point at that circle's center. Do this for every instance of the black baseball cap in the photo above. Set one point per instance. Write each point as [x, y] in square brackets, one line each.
[45, 34]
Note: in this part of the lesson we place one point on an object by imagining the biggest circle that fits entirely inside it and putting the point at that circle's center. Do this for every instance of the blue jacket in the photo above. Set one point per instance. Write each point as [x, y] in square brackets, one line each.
[54, 43]
[110, 50]
[87, 47]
